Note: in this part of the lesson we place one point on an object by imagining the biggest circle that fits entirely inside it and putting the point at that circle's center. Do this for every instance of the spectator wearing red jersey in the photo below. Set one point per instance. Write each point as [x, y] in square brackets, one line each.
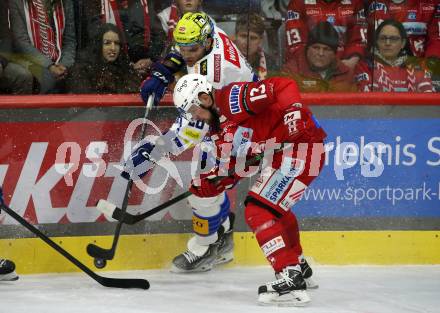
[317, 68]
[346, 16]
[392, 66]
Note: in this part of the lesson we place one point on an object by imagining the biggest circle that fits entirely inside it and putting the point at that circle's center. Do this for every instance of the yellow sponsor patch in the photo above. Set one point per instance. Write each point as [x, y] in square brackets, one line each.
[200, 226]
[191, 135]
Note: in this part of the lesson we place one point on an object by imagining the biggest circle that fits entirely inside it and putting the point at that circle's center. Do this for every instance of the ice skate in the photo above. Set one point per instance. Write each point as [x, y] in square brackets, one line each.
[225, 251]
[307, 273]
[7, 270]
[288, 290]
[196, 258]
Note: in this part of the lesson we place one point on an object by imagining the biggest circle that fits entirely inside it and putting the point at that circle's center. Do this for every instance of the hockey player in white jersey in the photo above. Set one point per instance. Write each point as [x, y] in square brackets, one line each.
[202, 48]
[7, 270]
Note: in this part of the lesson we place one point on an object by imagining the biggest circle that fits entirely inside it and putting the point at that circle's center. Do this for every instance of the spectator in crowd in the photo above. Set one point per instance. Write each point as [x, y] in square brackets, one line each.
[392, 66]
[14, 79]
[104, 68]
[44, 36]
[249, 32]
[421, 20]
[171, 15]
[316, 67]
[347, 17]
[139, 25]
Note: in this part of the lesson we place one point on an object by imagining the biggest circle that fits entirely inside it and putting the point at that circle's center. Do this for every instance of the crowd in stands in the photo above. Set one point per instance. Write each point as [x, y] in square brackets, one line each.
[108, 46]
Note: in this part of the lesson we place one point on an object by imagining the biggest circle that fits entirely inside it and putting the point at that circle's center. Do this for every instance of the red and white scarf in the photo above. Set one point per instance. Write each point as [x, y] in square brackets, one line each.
[172, 20]
[43, 37]
[262, 66]
[110, 14]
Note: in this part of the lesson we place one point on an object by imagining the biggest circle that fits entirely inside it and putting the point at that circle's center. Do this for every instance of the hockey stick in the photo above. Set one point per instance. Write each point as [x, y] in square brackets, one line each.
[112, 210]
[104, 281]
[101, 254]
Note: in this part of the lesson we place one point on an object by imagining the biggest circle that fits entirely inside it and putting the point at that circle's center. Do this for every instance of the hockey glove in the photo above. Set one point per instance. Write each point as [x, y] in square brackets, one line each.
[157, 83]
[139, 162]
[205, 186]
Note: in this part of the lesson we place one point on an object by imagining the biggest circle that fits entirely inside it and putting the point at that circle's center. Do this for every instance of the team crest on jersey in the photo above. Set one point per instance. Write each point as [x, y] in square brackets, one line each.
[234, 99]
[331, 19]
[204, 67]
[412, 16]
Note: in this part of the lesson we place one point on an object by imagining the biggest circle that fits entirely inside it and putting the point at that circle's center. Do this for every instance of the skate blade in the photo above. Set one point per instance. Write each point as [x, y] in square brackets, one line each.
[294, 298]
[177, 270]
[311, 284]
[9, 277]
[224, 258]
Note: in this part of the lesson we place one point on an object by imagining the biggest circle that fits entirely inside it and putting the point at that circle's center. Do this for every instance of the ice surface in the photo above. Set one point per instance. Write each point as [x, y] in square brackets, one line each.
[343, 289]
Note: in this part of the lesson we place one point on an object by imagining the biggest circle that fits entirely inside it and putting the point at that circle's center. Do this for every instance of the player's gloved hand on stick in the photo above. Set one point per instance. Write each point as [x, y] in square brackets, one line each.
[157, 83]
[139, 162]
[205, 187]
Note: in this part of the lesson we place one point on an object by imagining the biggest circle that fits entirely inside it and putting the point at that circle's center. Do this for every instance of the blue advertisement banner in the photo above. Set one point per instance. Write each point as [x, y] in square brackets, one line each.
[377, 168]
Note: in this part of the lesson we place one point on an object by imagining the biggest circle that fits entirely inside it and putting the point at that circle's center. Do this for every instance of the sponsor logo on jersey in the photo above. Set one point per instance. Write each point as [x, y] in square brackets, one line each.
[362, 76]
[310, 2]
[377, 6]
[415, 28]
[292, 15]
[231, 53]
[427, 7]
[182, 29]
[273, 245]
[217, 67]
[234, 99]
[314, 11]
[345, 11]
[412, 15]
[204, 67]
[277, 185]
[346, 2]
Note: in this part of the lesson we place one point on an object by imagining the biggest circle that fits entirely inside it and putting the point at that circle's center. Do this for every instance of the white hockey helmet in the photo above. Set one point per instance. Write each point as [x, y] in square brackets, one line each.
[187, 90]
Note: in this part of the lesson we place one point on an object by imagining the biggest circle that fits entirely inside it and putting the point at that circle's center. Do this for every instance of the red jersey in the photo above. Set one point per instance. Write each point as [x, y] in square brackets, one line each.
[421, 19]
[381, 77]
[260, 111]
[346, 16]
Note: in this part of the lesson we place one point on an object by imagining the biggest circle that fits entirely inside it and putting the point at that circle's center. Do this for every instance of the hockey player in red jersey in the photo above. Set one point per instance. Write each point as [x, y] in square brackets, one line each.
[420, 18]
[346, 16]
[253, 117]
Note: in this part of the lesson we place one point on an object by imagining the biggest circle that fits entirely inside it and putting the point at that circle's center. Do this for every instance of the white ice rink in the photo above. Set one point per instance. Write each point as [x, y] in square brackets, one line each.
[347, 289]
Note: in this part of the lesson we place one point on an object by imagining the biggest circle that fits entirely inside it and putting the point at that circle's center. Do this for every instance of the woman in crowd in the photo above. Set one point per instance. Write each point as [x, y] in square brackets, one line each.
[105, 67]
[391, 65]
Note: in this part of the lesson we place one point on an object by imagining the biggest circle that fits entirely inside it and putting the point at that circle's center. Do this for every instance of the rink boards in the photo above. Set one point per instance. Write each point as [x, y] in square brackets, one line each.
[377, 200]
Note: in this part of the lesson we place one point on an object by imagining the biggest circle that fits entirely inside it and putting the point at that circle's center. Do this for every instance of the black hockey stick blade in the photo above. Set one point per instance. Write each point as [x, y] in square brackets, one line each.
[100, 253]
[104, 281]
